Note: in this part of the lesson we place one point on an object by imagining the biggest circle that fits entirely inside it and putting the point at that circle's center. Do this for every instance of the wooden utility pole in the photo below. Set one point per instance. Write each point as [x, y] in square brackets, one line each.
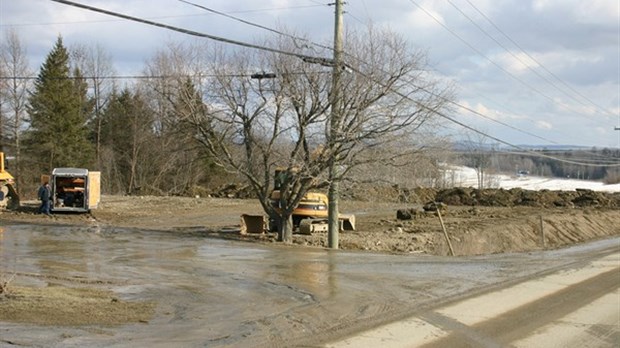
[543, 240]
[334, 133]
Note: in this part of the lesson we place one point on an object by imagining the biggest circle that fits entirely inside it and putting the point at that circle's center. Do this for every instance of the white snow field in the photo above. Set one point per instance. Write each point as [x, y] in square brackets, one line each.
[466, 177]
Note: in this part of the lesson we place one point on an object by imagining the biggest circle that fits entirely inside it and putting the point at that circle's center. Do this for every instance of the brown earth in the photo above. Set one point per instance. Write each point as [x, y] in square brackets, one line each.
[476, 221]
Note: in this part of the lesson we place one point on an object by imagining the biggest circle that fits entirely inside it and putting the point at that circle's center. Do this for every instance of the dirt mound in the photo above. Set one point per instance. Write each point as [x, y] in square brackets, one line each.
[459, 196]
[520, 197]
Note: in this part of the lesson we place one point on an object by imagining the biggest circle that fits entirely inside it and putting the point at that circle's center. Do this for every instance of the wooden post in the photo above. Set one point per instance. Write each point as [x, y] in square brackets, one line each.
[542, 233]
[333, 135]
[445, 233]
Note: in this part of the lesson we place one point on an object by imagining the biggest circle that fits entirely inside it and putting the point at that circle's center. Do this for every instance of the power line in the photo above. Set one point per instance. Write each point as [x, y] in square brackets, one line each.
[305, 58]
[451, 119]
[510, 52]
[353, 57]
[147, 77]
[486, 117]
[529, 56]
[330, 48]
[492, 61]
[160, 17]
[189, 32]
[278, 8]
[256, 25]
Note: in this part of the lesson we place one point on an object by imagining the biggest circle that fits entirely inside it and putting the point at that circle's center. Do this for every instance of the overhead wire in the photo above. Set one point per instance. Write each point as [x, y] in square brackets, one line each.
[494, 120]
[152, 18]
[277, 8]
[147, 77]
[440, 114]
[538, 63]
[350, 56]
[296, 38]
[249, 45]
[480, 53]
[312, 60]
[315, 44]
[520, 60]
[188, 32]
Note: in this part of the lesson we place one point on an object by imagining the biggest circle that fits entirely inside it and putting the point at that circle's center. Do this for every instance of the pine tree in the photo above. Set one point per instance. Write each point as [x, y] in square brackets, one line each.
[58, 108]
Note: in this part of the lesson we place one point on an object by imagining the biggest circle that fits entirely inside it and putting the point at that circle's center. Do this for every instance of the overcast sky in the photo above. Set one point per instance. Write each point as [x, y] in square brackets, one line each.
[545, 67]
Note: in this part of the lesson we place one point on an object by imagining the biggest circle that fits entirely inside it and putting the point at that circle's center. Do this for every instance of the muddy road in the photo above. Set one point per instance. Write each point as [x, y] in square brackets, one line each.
[194, 291]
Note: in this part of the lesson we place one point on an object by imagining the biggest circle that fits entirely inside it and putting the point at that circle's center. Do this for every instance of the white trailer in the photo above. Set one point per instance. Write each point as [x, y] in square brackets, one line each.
[75, 189]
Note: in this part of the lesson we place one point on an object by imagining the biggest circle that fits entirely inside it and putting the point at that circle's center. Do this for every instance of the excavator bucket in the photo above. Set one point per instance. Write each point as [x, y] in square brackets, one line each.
[347, 222]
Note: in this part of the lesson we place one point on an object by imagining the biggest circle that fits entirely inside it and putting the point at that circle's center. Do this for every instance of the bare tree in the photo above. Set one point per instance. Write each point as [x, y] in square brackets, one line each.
[252, 126]
[386, 101]
[418, 162]
[176, 71]
[478, 155]
[13, 88]
[95, 63]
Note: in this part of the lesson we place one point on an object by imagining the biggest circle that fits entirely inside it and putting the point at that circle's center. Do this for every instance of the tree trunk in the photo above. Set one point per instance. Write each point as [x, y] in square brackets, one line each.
[285, 230]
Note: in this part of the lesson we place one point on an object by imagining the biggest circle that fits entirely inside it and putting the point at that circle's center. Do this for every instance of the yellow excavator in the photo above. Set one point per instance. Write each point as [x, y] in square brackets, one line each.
[8, 195]
[310, 215]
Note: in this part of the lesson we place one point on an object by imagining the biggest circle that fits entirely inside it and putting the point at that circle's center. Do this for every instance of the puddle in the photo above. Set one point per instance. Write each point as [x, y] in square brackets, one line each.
[211, 292]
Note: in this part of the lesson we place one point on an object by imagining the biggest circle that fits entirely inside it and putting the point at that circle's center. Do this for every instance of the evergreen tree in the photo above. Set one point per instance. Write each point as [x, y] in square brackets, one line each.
[58, 109]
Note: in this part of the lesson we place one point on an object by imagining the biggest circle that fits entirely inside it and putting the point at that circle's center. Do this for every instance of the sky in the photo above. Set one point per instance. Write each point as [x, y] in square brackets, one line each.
[536, 72]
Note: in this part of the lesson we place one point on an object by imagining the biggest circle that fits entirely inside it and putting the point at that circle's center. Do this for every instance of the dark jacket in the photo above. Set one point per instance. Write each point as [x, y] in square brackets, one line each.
[44, 193]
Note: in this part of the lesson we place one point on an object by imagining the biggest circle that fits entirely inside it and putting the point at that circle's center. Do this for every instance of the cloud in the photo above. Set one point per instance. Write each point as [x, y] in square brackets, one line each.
[592, 11]
[540, 124]
[574, 44]
[515, 62]
[425, 19]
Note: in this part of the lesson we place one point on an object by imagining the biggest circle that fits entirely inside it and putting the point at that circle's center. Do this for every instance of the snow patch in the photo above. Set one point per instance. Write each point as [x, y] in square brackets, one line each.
[466, 177]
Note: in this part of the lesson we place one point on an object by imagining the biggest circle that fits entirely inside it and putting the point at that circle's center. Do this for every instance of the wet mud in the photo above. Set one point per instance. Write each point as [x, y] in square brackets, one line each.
[218, 293]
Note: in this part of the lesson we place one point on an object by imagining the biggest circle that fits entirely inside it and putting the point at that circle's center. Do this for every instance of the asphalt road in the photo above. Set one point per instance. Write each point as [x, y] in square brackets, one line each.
[577, 307]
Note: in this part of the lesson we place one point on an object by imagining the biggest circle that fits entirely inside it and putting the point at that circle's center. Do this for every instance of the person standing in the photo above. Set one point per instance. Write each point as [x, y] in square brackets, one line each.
[44, 197]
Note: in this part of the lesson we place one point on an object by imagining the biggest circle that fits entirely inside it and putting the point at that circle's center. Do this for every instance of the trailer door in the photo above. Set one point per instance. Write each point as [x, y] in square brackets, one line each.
[94, 189]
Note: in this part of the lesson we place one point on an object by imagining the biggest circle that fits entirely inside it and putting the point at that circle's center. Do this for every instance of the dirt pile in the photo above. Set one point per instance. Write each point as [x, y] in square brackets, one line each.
[455, 196]
[520, 197]
[480, 221]
[470, 196]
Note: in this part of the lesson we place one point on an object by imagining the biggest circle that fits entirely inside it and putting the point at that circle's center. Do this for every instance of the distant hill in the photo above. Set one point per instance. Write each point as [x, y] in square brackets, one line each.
[467, 146]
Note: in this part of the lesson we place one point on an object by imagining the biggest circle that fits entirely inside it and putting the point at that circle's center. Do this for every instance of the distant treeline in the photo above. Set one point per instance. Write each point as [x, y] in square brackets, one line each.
[594, 164]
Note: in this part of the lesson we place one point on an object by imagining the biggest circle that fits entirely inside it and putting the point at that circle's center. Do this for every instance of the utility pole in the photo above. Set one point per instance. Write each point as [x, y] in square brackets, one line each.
[334, 134]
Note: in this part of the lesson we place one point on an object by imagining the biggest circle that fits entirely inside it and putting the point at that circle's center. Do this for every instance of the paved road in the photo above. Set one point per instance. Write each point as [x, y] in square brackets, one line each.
[571, 308]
